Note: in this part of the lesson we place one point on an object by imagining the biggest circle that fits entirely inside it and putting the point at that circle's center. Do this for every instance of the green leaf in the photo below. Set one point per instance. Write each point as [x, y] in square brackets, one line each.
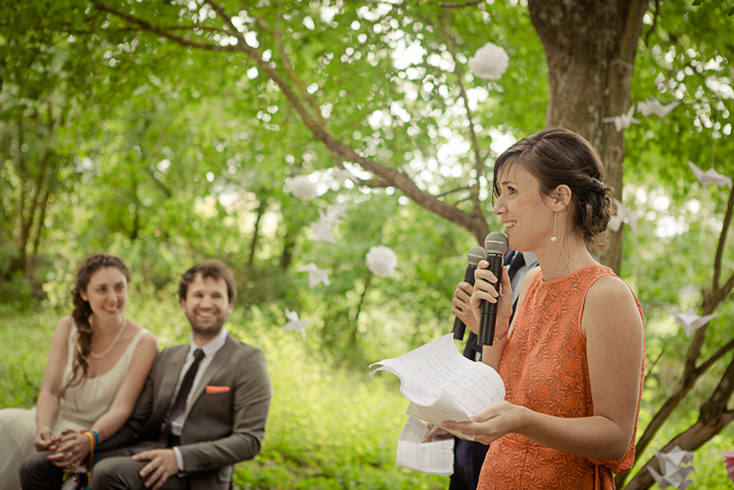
[697, 2]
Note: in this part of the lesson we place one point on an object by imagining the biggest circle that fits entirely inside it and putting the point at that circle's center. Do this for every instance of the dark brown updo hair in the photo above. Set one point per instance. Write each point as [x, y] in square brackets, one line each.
[82, 310]
[560, 157]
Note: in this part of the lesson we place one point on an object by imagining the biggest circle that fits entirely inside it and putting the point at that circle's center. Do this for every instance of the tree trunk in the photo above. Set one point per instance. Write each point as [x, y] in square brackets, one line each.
[590, 48]
[262, 206]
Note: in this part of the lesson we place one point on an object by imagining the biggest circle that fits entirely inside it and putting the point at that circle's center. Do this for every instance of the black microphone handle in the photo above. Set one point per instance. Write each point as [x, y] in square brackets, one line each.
[459, 326]
[488, 316]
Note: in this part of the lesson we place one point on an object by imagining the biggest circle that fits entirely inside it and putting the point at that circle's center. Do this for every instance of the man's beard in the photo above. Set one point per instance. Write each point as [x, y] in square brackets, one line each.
[206, 330]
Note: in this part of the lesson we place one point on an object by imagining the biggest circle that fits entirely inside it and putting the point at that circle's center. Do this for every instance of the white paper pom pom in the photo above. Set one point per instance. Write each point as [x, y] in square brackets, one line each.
[489, 62]
[303, 188]
[381, 261]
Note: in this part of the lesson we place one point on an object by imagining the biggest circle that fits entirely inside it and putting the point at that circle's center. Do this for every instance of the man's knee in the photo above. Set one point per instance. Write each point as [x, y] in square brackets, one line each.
[116, 474]
[36, 473]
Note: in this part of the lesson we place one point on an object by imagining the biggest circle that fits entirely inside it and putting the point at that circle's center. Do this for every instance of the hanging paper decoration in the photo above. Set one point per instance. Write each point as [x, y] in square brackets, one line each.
[710, 176]
[294, 323]
[652, 106]
[322, 229]
[381, 261]
[674, 474]
[624, 215]
[335, 212]
[489, 62]
[303, 188]
[316, 275]
[729, 461]
[690, 320]
[342, 175]
[623, 121]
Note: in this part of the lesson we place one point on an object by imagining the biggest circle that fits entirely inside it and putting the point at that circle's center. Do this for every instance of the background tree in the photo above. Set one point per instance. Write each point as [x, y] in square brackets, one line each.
[187, 123]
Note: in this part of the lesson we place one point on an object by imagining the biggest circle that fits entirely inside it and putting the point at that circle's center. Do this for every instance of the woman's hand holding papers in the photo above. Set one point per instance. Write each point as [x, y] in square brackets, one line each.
[491, 423]
[437, 433]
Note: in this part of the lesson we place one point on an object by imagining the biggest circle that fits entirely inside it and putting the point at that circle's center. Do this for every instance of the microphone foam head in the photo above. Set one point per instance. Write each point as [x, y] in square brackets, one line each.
[475, 254]
[496, 243]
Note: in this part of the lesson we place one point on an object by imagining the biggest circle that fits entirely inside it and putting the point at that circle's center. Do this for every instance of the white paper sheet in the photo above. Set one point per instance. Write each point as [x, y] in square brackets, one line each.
[435, 457]
[441, 384]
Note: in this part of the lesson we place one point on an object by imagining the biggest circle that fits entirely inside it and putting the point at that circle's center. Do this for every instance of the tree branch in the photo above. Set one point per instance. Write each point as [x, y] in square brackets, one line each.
[479, 161]
[474, 222]
[458, 5]
[722, 240]
[288, 66]
[145, 25]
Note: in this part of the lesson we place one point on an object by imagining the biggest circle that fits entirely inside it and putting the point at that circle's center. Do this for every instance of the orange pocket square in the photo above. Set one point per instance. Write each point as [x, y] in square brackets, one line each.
[217, 389]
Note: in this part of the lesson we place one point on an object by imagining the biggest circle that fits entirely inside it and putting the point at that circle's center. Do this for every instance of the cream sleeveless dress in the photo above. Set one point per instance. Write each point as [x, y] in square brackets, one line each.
[78, 409]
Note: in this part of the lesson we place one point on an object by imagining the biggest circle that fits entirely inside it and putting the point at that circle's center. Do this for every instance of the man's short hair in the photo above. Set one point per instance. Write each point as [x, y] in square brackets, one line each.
[213, 268]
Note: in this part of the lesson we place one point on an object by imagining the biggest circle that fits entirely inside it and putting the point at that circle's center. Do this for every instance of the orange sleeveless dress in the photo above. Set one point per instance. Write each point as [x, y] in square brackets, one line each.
[545, 369]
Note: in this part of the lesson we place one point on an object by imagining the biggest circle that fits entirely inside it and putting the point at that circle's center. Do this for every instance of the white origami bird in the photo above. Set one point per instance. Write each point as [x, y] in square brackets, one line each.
[381, 261]
[322, 229]
[624, 214]
[335, 212]
[316, 275]
[710, 176]
[690, 320]
[674, 474]
[652, 106]
[294, 323]
[342, 175]
[623, 121]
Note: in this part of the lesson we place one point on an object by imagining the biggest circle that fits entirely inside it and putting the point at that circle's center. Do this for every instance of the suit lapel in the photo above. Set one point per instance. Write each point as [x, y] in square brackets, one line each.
[171, 372]
[221, 358]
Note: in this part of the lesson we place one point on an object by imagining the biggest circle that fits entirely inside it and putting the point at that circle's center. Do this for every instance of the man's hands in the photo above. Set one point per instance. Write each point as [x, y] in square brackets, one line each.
[71, 447]
[162, 466]
[436, 432]
[461, 307]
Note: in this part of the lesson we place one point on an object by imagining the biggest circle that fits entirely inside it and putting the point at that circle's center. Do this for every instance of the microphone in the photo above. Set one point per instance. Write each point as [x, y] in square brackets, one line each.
[473, 256]
[496, 245]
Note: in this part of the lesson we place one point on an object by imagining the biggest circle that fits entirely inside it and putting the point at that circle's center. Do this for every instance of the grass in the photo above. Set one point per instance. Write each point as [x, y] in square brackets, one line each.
[328, 428]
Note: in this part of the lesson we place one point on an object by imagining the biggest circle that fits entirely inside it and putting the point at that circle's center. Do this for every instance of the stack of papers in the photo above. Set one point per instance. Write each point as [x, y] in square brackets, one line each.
[440, 384]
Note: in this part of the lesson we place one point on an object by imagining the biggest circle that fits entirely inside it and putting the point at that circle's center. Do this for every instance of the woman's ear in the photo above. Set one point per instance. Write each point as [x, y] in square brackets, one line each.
[561, 197]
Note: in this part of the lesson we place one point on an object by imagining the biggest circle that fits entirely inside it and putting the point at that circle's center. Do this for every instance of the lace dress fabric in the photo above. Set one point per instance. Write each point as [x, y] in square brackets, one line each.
[78, 409]
[545, 369]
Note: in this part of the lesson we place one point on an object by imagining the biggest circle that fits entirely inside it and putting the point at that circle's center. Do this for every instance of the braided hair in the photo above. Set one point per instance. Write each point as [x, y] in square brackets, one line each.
[82, 310]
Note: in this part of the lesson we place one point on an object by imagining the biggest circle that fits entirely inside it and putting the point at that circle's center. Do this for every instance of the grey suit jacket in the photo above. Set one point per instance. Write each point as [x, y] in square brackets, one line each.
[222, 428]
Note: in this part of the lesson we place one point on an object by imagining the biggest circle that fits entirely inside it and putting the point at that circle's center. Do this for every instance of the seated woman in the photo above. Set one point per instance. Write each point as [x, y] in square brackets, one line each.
[573, 362]
[96, 368]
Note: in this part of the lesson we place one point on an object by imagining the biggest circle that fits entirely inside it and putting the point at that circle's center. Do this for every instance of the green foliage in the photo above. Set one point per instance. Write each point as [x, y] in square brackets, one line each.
[326, 428]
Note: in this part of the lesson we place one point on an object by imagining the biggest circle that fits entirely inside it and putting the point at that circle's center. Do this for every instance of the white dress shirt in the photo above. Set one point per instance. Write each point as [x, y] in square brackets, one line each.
[210, 350]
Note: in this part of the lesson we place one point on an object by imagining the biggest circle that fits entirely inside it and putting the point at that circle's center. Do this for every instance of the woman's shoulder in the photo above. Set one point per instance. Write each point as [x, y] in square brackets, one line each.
[610, 299]
[64, 326]
[147, 339]
[610, 287]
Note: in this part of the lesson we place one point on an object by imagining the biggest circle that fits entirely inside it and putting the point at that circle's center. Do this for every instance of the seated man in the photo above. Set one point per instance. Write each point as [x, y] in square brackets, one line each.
[202, 410]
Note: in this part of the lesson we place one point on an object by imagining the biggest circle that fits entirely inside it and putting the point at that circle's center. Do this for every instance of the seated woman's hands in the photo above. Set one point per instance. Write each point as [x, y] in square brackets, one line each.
[43, 440]
[492, 423]
[70, 449]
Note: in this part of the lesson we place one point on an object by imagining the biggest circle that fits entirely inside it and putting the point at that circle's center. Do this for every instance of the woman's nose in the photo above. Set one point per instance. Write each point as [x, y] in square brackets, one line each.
[498, 207]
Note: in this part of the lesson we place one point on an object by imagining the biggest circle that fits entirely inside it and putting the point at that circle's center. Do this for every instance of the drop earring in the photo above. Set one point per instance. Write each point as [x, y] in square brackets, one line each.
[553, 237]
